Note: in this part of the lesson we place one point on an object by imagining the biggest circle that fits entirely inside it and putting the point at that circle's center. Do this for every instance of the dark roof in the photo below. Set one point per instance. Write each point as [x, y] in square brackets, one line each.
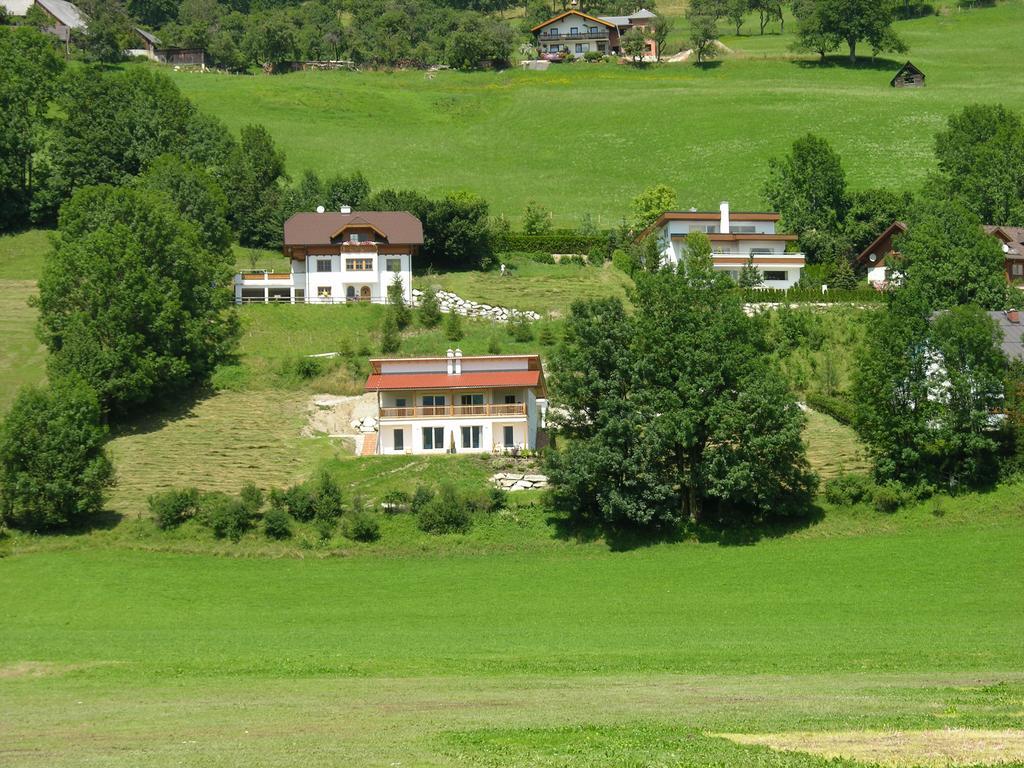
[897, 227]
[149, 37]
[65, 13]
[399, 227]
[1013, 334]
[906, 69]
[1012, 237]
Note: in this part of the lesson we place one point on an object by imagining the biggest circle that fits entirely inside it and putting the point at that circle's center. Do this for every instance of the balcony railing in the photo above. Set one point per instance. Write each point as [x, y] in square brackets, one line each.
[263, 277]
[574, 36]
[420, 411]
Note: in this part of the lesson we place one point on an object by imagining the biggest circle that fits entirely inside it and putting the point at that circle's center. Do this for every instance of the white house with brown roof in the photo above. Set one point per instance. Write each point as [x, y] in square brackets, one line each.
[457, 403]
[574, 33]
[737, 239]
[338, 257]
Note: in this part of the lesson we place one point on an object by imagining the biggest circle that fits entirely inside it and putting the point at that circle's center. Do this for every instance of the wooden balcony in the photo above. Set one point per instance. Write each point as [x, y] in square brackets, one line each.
[451, 411]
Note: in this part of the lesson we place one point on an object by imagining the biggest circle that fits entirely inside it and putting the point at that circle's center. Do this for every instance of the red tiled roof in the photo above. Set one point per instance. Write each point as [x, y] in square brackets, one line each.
[472, 380]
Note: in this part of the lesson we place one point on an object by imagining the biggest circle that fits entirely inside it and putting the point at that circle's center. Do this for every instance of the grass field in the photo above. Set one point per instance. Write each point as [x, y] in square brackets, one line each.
[572, 656]
[586, 138]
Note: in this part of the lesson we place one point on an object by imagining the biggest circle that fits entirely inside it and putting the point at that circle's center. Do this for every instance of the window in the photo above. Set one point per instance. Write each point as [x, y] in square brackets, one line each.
[323, 265]
[593, 30]
[323, 291]
[300, 294]
[574, 30]
[508, 437]
[761, 251]
[358, 265]
[743, 229]
[350, 293]
[433, 438]
[431, 401]
[1017, 270]
[393, 265]
[353, 237]
[471, 437]
[776, 275]
[472, 400]
[711, 229]
[579, 47]
[399, 440]
[510, 399]
[400, 402]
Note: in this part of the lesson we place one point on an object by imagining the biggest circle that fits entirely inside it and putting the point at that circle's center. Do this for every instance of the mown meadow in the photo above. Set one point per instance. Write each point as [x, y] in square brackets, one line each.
[584, 139]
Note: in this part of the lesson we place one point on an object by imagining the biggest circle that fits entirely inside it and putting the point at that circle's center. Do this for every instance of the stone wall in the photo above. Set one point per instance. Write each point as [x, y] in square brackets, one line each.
[518, 481]
[450, 302]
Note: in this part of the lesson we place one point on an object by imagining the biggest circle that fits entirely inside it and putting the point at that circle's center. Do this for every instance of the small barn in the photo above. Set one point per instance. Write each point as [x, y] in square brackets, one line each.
[909, 76]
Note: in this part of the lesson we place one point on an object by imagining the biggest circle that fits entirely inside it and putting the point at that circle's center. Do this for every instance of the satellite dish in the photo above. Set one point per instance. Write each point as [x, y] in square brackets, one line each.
[873, 258]
[319, 209]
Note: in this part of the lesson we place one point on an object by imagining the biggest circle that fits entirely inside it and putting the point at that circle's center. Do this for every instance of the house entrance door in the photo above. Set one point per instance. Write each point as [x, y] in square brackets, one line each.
[364, 293]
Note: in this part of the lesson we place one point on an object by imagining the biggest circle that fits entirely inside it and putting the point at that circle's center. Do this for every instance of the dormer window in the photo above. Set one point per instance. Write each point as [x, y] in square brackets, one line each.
[353, 237]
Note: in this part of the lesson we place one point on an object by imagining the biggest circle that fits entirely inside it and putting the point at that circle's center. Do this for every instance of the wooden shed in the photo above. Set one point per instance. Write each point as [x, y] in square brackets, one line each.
[909, 76]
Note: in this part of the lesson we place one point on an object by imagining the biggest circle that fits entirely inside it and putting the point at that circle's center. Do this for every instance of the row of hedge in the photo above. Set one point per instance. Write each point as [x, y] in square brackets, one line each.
[861, 294]
[557, 241]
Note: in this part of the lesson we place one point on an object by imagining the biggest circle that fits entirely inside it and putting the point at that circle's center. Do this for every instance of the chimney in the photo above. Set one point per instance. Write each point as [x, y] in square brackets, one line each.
[1013, 315]
[458, 362]
[346, 209]
[724, 223]
[451, 362]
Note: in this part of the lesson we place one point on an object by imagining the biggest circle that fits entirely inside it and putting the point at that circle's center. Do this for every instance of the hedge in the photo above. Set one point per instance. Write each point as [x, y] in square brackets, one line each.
[558, 241]
[838, 407]
[863, 295]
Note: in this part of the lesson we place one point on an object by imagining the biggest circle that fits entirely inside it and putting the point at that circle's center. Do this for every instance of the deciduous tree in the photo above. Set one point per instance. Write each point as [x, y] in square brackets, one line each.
[646, 207]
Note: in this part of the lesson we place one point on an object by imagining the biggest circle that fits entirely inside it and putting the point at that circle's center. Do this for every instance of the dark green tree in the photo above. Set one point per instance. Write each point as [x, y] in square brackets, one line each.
[634, 44]
[390, 336]
[812, 36]
[948, 259]
[857, 21]
[646, 207]
[131, 300]
[429, 309]
[396, 303]
[536, 219]
[808, 187]
[453, 326]
[842, 276]
[106, 32]
[981, 162]
[270, 41]
[53, 468]
[252, 182]
[703, 38]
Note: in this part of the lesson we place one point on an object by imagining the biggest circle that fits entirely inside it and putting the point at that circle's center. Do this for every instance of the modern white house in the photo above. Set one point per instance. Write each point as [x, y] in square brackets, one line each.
[736, 240]
[338, 257]
[457, 404]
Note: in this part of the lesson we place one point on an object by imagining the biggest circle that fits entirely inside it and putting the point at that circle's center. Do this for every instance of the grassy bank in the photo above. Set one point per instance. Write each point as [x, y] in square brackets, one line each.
[586, 138]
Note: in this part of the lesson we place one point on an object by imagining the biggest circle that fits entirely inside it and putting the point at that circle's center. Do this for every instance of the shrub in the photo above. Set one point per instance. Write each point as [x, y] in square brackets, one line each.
[53, 466]
[446, 513]
[308, 368]
[429, 309]
[497, 498]
[838, 407]
[396, 502]
[889, 496]
[848, 489]
[171, 508]
[546, 336]
[624, 262]
[299, 502]
[251, 498]
[325, 527]
[453, 327]
[361, 525]
[327, 499]
[277, 524]
[421, 497]
[541, 257]
[520, 328]
[493, 345]
[278, 499]
[593, 56]
[391, 338]
[574, 260]
[225, 515]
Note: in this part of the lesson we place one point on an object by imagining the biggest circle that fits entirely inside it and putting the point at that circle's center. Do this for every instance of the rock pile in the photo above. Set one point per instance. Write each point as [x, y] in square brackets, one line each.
[515, 481]
[451, 302]
[365, 425]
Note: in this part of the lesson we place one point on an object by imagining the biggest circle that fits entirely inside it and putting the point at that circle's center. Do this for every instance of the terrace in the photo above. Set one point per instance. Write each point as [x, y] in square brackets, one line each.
[434, 411]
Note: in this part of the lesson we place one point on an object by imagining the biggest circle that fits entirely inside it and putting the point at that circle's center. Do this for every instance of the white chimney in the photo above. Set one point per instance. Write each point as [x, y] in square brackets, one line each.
[451, 362]
[458, 362]
[346, 209]
[723, 226]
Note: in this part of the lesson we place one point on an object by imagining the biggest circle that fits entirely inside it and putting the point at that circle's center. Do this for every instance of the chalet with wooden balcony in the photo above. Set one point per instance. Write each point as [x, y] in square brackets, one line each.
[575, 34]
[339, 257]
[737, 239]
[457, 403]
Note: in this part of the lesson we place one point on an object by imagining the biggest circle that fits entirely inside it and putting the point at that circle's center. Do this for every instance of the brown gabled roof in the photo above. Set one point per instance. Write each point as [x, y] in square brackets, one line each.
[571, 13]
[1012, 237]
[399, 227]
[897, 227]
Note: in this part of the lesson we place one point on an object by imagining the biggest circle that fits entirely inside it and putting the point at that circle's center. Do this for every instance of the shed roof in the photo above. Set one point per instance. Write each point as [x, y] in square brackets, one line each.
[64, 12]
[906, 69]
[149, 37]
[17, 7]
[399, 227]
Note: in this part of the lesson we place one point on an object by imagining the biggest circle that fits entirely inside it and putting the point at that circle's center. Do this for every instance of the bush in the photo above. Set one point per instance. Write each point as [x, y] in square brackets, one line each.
[299, 502]
[396, 502]
[446, 513]
[429, 310]
[53, 466]
[453, 327]
[497, 498]
[171, 508]
[493, 345]
[225, 515]
[593, 56]
[546, 336]
[361, 525]
[307, 368]
[574, 260]
[325, 528]
[541, 257]
[520, 328]
[251, 497]
[327, 499]
[421, 497]
[838, 407]
[624, 262]
[277, 524]
[889, 496]
[848, 489]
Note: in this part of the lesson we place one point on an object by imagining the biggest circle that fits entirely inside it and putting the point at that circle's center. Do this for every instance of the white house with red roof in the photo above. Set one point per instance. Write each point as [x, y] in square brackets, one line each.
[737, 239]
[457, 403]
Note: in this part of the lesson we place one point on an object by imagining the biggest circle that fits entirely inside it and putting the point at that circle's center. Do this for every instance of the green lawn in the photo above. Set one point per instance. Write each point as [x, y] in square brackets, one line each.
[564, 656]
[586, 138]
[22, 357]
